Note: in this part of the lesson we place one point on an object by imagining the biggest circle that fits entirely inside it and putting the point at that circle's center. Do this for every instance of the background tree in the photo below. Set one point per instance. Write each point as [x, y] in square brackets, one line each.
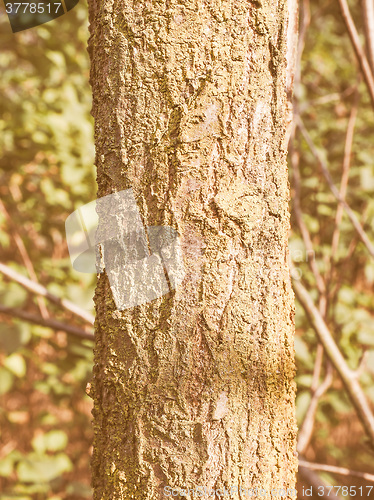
[191, 111]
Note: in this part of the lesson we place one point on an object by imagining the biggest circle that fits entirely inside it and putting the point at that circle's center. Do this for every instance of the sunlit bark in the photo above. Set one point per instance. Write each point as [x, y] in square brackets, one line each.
[191, 108]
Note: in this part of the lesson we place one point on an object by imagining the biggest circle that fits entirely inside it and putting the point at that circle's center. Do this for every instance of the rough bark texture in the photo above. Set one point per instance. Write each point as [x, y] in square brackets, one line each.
[191, 108]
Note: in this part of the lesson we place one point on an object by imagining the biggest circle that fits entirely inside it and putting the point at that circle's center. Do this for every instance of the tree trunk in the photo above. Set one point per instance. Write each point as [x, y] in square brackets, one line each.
[195, 389]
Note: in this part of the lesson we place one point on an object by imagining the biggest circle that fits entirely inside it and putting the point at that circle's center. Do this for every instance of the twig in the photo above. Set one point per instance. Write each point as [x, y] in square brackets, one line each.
[25, 257]
[356, 224]
[317, 367]
[345, 173]
[326, 99]
[306, 429]
[294, 157]
[39, 289]
[307, 425]
[304, 16]
[316, 482]
[364, 64]
[362, 363]
[336, 470]
[50, 323]
[346, 260]
[368, 15]
[354, 389]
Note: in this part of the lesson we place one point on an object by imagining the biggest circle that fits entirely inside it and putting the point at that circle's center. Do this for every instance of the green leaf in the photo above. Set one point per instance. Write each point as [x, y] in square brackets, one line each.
[51, 441]
[369, 272]
[303, 352]
[35, 469]
[79, 489]
[6, 380]
[304, 380]
[338, 402]
[13, 295]
[6, 466]
[365, 337]
[302, 404]
[16, 364]
[370, 361]
[15, 497]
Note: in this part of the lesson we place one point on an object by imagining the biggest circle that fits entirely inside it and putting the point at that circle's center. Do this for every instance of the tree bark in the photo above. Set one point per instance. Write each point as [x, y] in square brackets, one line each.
[191, 102]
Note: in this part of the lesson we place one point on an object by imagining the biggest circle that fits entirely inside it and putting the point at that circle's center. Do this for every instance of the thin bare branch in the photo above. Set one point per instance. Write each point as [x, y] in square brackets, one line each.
[313, 479]
[355, 222]
[362, 364]
[317, 367]
[39, 289]
[350, 380]
[368, 15]
[25, 257]
[336, 470]
[360, 53]
[306, 429]
[294, 158]
[326, 99]
[304, 16]
[50, 323]
[345, 173]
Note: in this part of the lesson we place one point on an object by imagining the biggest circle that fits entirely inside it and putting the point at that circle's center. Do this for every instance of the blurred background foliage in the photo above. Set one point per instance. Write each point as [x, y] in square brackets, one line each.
[47, 171]
[333, 103]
